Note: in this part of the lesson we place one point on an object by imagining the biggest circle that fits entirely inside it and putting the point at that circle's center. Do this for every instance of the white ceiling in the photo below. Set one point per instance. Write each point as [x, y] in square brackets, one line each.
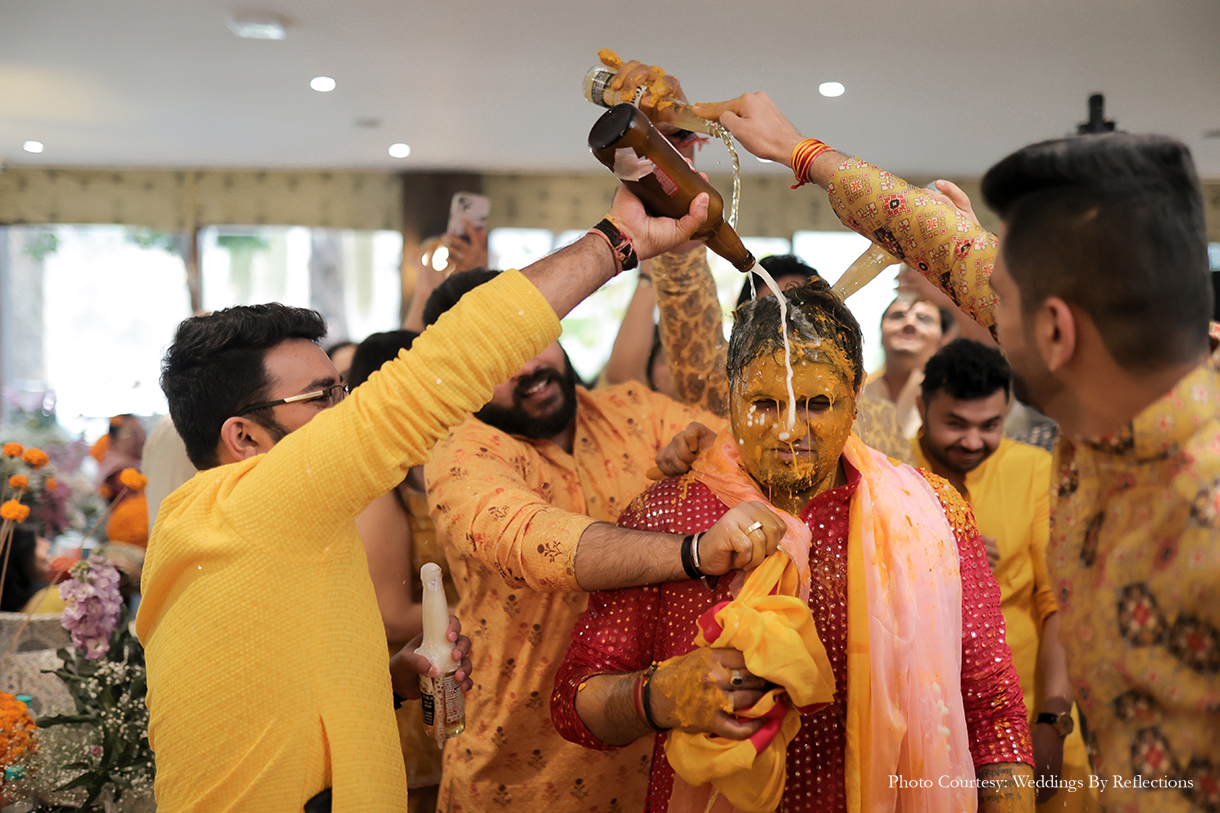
[937, 86]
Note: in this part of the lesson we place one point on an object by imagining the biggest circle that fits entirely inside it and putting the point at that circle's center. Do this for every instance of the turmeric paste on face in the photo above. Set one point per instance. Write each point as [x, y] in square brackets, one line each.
[794, 468]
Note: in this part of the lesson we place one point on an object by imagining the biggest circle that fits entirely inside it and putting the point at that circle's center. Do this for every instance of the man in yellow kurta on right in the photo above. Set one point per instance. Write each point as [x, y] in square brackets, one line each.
[1101, 298]
[964, 396]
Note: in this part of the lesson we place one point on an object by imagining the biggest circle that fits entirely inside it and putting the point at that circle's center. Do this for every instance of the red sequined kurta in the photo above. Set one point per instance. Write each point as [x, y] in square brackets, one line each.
[625, 630]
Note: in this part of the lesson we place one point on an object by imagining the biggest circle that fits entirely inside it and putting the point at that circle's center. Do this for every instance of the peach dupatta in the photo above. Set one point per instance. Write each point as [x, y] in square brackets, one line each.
[904, 708]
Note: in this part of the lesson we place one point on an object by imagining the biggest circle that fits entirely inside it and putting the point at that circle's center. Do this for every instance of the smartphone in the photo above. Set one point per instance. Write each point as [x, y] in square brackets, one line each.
[467, 206]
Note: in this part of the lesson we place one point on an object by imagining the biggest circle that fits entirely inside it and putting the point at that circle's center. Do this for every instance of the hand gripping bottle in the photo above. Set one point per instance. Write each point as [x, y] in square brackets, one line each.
[626, 142]
[444, 705]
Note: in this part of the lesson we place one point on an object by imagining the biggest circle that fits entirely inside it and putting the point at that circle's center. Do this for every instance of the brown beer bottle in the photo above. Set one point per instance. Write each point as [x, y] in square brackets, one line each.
[626, 142]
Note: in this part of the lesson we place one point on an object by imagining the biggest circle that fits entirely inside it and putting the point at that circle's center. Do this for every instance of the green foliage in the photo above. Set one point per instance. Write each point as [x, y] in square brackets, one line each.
[109, 696]
[150, 239]
[42, 245]
[237, 243]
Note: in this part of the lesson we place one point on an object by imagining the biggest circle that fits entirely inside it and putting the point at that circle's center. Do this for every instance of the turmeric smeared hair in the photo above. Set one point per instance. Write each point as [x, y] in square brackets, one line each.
[814, 312]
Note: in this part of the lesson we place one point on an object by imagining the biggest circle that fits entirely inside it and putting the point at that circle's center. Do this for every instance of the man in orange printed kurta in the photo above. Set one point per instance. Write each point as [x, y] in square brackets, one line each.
[512, 502]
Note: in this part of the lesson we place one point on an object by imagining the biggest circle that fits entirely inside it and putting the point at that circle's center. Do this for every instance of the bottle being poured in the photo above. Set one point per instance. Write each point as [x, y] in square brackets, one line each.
[625, 140]
[444, 705]
[660, 97]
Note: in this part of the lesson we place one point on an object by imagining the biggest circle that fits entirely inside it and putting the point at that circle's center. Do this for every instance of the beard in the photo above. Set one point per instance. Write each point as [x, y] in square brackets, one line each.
[946, 459]
[557, 415]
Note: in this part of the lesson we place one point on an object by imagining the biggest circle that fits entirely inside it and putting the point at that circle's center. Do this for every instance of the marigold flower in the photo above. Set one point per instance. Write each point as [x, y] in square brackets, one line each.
[13, 449]
[104, 491]
[16, 730]
[19, 482]
[36, 458]
[133, 479]
[15, 511]
[50, 484]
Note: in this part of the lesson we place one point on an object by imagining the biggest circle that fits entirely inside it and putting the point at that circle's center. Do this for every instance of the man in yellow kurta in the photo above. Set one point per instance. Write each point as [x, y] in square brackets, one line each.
[267, 669]
[964, 397]
[1101, 298]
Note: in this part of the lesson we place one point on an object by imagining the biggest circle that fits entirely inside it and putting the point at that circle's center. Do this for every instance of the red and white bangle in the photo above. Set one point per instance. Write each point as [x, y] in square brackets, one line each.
[620, 243]
[802, 159]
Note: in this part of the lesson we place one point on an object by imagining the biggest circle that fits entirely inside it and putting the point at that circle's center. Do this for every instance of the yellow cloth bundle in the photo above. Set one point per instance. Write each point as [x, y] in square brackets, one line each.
[779, 639]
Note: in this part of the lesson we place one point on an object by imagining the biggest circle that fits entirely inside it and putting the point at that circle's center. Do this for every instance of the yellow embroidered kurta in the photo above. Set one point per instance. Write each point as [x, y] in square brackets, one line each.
[267, 669]
[1134, 550]
[511, 512]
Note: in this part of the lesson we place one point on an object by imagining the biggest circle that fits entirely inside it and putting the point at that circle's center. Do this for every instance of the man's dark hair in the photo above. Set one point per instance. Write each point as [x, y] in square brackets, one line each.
[946, 315]
[966, 371]
[375, 351]
[778, 266]
[1114, 225]
[214, 369]
[814, 311]
[447, 294]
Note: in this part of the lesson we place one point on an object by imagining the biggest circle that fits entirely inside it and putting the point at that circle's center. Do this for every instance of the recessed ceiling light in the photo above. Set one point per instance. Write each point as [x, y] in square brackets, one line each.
[400, 150]
[831, 88]
[322, 84]
[258, 28]
[32, 146]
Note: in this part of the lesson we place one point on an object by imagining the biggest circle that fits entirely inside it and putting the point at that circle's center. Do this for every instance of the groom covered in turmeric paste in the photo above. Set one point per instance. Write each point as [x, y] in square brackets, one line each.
[871, 647]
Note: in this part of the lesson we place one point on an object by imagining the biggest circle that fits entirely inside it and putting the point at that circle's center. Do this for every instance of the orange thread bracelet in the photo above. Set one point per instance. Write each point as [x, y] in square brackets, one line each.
[802, 159]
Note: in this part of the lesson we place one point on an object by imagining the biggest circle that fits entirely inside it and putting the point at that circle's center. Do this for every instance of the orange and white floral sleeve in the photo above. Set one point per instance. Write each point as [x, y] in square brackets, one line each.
[485, 506]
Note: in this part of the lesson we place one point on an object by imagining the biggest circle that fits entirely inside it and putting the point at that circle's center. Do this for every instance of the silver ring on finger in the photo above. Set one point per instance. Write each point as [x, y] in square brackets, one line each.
[736, 679]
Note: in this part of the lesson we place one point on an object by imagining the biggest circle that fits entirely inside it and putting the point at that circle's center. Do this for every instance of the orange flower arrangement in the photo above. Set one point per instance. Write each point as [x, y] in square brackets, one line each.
[133, 479]
[13, 449]
[16, 730]
[15, 511]
[50, 484]
[129, 521]
[35, 458]
[19, 482]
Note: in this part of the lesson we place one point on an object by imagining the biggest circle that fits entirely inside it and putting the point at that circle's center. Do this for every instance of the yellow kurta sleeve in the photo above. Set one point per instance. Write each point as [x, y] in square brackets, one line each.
[1044, 592]
[346, 457]
[948, 248]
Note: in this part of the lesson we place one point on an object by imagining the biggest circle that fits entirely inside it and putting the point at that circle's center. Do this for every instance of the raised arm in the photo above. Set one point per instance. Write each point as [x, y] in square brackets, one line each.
[347, 456]
[692, 328]
[633, 344]
[931, 236]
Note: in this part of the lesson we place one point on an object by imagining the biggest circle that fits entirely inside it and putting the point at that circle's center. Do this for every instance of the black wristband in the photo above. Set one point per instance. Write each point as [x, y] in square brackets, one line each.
[620, 244]
[688, 557]
[647, 700]
[398, 701]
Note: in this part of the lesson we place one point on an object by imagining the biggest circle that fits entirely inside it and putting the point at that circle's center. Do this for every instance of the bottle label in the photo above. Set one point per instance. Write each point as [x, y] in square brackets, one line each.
[668, 185]
[428, 701]
[443, 692]
[631, 167]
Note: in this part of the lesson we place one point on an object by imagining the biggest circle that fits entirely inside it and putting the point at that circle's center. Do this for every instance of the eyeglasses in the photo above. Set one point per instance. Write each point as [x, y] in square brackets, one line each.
[333, 395]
